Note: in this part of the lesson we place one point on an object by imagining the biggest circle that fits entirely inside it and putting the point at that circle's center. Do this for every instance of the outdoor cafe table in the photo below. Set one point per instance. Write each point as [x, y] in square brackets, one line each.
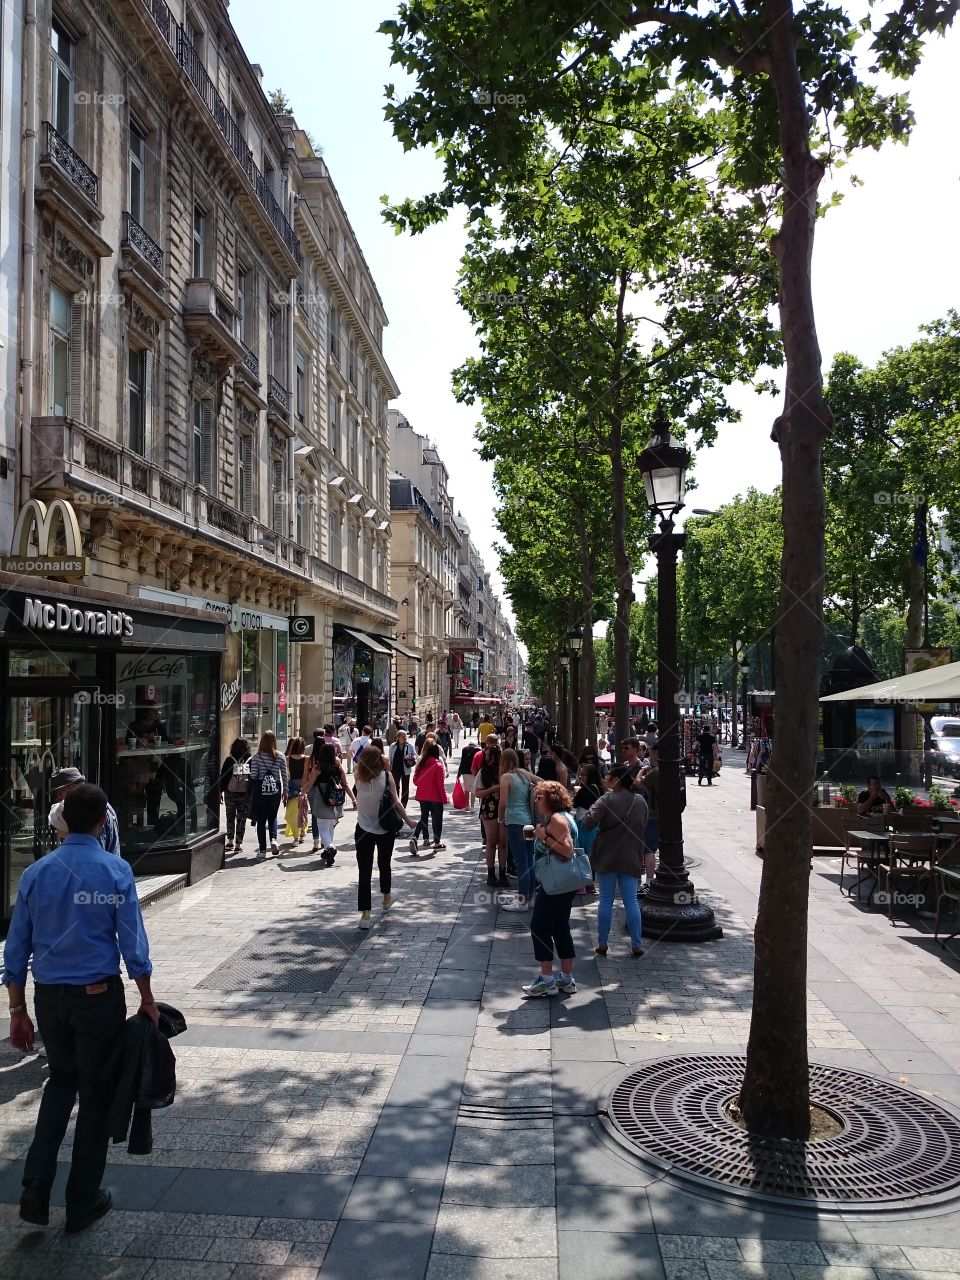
[874, 845]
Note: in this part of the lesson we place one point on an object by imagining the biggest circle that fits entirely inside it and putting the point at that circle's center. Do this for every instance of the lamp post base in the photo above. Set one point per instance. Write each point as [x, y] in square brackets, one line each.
[672, 912]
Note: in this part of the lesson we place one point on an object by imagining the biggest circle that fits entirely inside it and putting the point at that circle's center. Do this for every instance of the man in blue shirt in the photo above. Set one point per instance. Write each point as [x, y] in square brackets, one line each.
[76, 914]
[61, 784]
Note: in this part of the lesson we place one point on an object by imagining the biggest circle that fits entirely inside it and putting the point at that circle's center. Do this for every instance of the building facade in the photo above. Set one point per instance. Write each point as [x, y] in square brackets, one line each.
[417, 558]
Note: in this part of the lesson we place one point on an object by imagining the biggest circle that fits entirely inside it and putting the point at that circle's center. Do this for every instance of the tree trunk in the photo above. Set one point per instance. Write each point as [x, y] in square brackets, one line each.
[855, 614]
[734, 686]
[911, 725]
[621, 558]
[775, 1095]
[584, 730]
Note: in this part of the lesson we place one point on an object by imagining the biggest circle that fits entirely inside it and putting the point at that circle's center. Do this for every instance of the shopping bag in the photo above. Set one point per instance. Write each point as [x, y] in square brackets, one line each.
[459, 796]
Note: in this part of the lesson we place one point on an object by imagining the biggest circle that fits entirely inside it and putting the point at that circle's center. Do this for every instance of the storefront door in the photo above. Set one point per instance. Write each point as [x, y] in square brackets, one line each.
[46, 732]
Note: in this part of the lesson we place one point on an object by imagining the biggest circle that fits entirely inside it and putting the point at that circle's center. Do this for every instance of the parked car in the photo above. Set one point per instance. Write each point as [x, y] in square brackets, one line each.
[946, 756]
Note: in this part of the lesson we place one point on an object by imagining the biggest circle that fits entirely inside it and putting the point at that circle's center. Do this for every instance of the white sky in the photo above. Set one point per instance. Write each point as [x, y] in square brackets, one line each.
[886, 261]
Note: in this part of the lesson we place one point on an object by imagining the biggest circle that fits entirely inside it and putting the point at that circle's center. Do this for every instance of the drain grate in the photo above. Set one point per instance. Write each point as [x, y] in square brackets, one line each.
[895, 1145]
[291, 960]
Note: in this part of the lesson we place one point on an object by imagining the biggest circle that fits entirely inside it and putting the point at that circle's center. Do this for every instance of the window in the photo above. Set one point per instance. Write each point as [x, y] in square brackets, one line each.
[245, 473]
[367, 557]
[353, 446]
[301, 393]
[64, 54]
[367, 392]
[137, 401]
[241, 118]
[194, 34]
[368, 464]
[333, 425]
[352, 364]
[302, 517]
[278, 472]
[199, 239]
[60, 353]
[335, 333]
[243, 284]
[275, 345]
[137, 146]
[335, 535]
[353, 548]
[202, 444]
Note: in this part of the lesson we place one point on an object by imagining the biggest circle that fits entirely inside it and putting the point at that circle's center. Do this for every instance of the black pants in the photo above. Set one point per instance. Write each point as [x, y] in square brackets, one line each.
[265, 810]
[403, 788]
[550, 925]
[367, 843]
[705, 769]
[79, 1032]
[430, 809]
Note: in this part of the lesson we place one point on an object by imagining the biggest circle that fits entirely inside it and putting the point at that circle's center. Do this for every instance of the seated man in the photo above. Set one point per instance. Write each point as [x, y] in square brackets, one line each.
[874, 798]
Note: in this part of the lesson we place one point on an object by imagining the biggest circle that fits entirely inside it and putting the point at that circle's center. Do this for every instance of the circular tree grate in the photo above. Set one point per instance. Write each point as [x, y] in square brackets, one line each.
[894, 1146]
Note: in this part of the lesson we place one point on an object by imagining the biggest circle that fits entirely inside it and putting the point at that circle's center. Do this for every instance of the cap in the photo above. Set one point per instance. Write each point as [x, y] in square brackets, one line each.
[65, 778]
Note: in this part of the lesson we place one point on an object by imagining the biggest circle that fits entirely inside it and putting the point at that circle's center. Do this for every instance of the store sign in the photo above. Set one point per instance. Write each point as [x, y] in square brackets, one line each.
[161, 667]
[281, 688]
[303, 629]
[237, 617]
[39, 520]
[229, 691]
[47, 615]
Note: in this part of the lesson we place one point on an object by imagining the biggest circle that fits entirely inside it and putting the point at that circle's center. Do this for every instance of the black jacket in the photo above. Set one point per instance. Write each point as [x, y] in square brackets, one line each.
[144, 1072]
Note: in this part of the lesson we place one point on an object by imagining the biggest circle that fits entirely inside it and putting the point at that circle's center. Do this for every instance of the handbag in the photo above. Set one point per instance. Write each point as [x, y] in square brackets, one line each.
[459, 795]
[387, 815]
[557, 875]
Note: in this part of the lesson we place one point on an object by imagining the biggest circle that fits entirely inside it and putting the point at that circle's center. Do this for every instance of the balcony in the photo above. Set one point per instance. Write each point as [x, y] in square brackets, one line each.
[180, 47]
[278, 401]
[247, 371]
[60, 163]
[212, 322]
[141, 254]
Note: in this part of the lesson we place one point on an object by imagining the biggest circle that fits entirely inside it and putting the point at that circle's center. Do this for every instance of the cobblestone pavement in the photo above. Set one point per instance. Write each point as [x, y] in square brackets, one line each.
[410, 1116]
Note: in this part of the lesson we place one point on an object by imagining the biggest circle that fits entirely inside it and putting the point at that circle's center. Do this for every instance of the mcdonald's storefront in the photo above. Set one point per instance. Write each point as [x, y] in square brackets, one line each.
[127, 691]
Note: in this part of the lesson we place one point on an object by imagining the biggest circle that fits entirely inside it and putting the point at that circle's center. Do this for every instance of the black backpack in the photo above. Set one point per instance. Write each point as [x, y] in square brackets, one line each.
[331, 790]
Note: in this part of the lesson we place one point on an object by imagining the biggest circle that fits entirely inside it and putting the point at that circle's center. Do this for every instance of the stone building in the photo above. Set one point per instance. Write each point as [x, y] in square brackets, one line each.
[418, 578]
[203, 451]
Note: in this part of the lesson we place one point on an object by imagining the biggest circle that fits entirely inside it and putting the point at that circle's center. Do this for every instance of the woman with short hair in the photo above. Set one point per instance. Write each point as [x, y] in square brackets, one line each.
[268, 783]
[555, 834]
[620, 818]
[371, 780]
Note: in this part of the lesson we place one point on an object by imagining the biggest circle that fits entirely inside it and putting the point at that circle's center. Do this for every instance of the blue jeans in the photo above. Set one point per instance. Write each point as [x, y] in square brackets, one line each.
[522, 851]
[607, 885]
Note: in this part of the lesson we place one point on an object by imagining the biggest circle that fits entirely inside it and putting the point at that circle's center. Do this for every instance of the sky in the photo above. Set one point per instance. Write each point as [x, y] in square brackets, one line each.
[886, 261]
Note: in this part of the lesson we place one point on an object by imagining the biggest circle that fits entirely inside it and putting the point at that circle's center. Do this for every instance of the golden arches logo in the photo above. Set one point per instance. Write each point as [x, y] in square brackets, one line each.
[41, 520]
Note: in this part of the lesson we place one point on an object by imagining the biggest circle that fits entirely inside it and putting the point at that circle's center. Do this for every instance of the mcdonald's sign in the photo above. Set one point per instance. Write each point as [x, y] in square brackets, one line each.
[39, 520]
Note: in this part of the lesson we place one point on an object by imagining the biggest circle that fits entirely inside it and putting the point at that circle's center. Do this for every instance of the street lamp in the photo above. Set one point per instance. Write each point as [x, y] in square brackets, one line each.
[563, 710]
[744, 675]
[671, 910]
[576, 645]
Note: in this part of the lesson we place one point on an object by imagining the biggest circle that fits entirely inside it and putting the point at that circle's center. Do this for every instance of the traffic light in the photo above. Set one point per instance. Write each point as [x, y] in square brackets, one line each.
[413, 683]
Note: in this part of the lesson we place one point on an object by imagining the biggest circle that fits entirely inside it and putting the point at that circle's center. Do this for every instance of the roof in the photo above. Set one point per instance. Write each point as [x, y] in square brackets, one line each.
[936, 684]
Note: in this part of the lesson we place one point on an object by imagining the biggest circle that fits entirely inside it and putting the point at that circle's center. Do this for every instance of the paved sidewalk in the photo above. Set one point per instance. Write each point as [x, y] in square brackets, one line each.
[417, 1118]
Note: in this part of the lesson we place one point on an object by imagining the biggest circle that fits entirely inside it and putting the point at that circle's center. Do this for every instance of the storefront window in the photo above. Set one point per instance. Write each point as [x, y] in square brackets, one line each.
[62, 665]
[167, 753]
[250, 686]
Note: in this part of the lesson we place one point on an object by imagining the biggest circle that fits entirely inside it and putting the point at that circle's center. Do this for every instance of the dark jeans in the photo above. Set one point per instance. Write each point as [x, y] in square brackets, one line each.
[403, 788]
[430, 809]
[705, 769]
[550, 925]
[367, 844]
[235, 807]
[79, 1032]
[265, 809]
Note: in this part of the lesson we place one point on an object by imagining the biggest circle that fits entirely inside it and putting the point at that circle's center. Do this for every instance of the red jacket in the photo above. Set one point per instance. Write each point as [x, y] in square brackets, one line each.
[430, 780]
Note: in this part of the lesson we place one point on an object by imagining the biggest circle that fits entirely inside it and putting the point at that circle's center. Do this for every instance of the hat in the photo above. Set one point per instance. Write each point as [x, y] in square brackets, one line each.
[65, 778]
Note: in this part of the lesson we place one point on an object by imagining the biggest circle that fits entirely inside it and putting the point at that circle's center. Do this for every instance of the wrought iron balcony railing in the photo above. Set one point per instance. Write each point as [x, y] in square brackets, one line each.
[137, 238]
[63, 157]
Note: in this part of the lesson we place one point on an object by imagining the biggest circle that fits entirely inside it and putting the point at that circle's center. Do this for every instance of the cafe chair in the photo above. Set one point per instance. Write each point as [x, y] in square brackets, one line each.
[854, 855]
[908, 868]
[909, 822]
[948, 887]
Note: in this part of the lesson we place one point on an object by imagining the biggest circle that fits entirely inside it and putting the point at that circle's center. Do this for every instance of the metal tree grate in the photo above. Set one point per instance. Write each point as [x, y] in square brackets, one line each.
[895, 1145]
[290, 960]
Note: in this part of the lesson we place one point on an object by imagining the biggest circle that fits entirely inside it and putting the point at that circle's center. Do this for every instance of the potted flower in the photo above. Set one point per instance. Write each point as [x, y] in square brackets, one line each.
[940, 798]
[903, 799]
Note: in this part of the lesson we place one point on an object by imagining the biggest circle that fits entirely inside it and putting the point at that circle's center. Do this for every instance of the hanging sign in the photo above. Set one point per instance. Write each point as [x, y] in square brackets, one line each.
[303, 628]
[39, 520]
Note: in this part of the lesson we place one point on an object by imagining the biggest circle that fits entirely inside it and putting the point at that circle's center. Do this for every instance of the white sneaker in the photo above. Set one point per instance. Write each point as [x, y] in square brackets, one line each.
[274, 847]
[364, 920]
[514, 906]
[541, 986]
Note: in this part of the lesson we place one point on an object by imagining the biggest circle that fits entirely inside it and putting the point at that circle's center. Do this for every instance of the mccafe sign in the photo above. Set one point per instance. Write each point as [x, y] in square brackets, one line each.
[37, 521]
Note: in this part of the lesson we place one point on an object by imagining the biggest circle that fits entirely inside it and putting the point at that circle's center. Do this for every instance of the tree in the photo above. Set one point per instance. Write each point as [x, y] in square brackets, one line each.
[490, 80]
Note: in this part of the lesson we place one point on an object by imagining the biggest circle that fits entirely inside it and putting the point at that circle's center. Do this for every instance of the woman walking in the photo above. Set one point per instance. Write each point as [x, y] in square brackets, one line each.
[465, 772]
[516, 811]
[487, 791]
[550, 923]
[268, 782]
[234, 784]
[619, 817]
[510, 740]
[402, 758]
[371, 782]
[456, 728]
[297, 809]
[430, 779]
[327, 789]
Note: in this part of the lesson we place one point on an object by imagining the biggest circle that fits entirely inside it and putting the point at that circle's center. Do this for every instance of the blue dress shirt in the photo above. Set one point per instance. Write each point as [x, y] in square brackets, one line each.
[76, 913]
[110, 835]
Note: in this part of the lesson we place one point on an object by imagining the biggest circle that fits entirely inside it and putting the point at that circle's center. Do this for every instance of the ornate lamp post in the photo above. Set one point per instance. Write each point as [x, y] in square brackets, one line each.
[671, 910]
[576, 728]
[564, 709]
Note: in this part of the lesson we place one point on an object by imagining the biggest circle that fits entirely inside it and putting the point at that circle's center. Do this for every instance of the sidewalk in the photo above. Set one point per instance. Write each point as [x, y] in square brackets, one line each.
[386, 1105]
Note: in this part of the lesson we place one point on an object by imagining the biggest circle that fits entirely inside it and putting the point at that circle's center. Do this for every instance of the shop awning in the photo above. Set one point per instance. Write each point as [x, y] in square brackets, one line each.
[936, 684]
[474, 700]
[636, 700]
[361, 637]
[391, 643]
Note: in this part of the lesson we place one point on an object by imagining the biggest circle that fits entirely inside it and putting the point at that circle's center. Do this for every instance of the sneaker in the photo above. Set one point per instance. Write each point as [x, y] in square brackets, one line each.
[261, 855]
[600, 950]
[566, 984]
[643, 890]
[329, 855]
[364, 920]
[228, 847]
[514, 906]
[274, 847]
[541, 986]
[414, 848]
[389, 901]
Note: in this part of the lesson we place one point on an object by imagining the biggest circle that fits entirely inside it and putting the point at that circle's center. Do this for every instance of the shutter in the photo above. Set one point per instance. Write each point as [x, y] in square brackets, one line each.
[246, 496]
[75, 396]
[206, 447]
[278, 496]
[148, 413]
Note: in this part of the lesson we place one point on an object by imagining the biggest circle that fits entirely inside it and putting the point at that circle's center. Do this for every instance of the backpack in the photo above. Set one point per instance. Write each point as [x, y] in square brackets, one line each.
[239, 782]
[331, 792]
[270, 782]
